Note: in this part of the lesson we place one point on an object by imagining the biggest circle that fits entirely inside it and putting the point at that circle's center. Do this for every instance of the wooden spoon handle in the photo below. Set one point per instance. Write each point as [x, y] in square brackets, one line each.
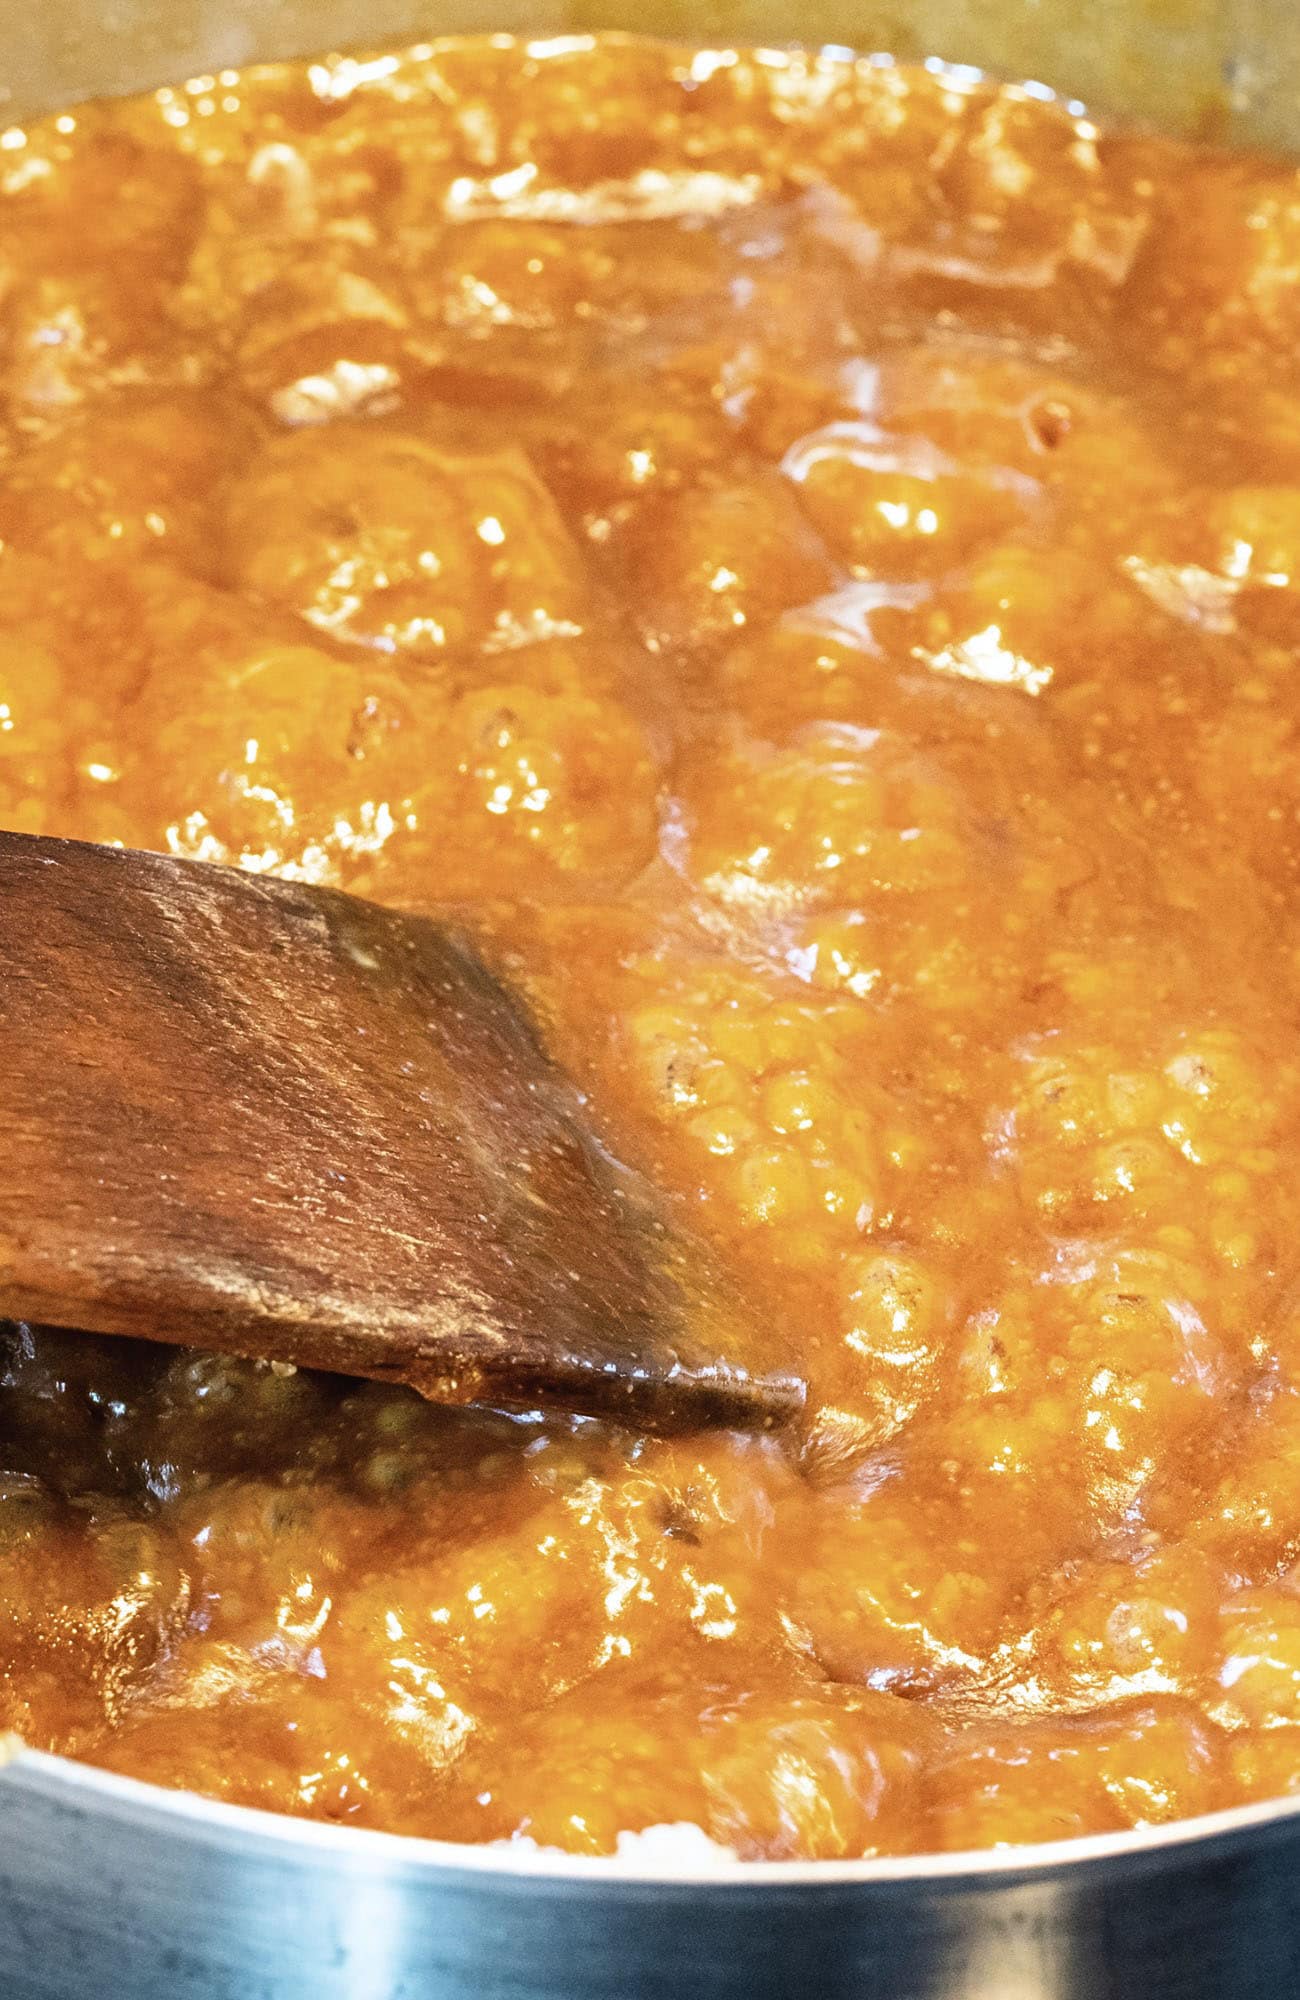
[272, 1120]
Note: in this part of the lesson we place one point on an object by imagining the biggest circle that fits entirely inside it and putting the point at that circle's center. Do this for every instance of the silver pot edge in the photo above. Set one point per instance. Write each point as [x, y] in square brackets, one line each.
[131, 1803]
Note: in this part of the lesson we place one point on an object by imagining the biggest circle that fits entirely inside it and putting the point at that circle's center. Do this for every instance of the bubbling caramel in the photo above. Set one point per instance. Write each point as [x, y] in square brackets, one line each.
[802, 555]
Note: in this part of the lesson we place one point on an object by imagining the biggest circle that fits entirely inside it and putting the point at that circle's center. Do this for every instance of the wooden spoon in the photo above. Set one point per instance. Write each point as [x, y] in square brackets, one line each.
[276, 1121]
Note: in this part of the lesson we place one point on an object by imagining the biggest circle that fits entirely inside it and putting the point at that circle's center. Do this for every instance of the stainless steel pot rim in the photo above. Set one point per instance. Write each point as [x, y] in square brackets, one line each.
[83, 1787]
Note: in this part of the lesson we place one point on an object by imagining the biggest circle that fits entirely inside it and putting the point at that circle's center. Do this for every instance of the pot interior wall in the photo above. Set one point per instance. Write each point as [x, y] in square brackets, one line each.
[1225, 68]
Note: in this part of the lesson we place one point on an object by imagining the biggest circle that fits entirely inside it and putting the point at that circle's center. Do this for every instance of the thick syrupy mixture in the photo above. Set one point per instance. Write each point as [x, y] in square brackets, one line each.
[805, 557]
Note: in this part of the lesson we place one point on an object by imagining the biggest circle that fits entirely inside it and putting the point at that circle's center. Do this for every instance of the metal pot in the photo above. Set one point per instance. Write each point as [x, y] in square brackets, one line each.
[113, 1888]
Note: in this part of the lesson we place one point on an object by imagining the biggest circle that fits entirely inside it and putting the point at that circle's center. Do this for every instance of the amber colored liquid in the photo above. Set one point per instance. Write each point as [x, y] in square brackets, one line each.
[806, 558]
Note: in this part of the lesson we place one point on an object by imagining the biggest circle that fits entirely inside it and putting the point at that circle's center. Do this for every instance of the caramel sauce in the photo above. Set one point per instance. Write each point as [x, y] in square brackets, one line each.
[805, 557]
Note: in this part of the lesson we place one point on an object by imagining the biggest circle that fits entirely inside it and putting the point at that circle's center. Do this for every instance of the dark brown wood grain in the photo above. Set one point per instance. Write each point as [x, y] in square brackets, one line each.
[273, 1120]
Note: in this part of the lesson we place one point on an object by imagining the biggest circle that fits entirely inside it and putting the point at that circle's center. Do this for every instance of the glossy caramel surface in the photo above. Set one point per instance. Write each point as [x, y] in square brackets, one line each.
[803, 557]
